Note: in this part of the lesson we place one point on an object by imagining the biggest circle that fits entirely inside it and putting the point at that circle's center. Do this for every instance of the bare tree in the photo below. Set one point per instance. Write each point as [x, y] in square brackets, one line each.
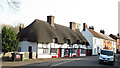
[12, 4]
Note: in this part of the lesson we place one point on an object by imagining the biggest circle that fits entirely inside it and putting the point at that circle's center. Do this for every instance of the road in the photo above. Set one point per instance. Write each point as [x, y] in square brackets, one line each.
[86, 62]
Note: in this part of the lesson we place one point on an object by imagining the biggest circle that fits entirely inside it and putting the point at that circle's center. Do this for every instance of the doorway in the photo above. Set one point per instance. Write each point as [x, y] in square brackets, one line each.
[30, 52]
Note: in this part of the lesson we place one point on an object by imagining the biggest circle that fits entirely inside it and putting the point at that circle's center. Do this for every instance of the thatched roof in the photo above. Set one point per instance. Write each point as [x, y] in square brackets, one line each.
[38, 31]
[84, 40]
[65, 33]
[42, 32]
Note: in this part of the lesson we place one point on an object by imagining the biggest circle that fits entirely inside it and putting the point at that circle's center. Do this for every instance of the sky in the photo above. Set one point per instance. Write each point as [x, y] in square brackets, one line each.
[102, 14]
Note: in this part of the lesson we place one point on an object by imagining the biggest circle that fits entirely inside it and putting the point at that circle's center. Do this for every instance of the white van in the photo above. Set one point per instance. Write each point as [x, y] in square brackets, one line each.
[107, 56]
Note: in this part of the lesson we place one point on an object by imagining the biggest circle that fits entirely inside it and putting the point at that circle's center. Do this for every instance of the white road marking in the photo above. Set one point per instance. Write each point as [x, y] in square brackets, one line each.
[62, 63]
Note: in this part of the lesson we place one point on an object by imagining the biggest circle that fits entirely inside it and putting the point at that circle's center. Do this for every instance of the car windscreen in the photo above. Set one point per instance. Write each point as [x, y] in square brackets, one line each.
[109, 53]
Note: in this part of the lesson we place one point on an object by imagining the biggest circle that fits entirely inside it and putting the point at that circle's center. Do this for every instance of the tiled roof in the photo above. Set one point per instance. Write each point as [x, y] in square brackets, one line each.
[114, 36]
[95, 34]
[117, 36]
[106, 37]
[100, 35]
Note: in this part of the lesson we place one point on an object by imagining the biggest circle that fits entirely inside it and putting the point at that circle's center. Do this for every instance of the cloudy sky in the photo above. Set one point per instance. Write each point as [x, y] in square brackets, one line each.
[102, 14]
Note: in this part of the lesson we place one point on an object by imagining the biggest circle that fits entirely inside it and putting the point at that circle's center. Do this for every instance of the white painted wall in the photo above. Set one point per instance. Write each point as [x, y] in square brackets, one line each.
[65, 45]
[49, 46]
[62, 53]
[25, 44]
[38, 48]
[88, 35]
[95, 44]
[114, 46]
[82, 54]
[98, 45]
[91, 39]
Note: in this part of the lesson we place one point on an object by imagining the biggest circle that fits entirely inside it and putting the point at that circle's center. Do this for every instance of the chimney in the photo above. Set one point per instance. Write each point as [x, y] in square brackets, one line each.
[21, 27]
[78, 26]
[102, 31]
[91, 27]
[73, 25]
[84, 26]
[118, 34]
[50, 20]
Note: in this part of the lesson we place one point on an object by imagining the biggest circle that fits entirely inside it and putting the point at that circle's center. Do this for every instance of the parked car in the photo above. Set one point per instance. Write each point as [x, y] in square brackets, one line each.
[107, 56]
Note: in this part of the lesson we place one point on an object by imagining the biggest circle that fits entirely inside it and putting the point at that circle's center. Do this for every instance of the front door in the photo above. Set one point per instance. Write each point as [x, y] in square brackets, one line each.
[30, 52]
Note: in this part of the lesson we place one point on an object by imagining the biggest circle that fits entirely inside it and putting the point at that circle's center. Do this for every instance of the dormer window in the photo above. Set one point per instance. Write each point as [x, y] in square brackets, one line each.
[55, 40]
[78, 41]
[68, 41]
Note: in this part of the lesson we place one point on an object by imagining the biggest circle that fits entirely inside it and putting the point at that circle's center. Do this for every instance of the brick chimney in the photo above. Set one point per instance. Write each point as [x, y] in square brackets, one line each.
[102, 31]
[91, 27]
[50, 20]
[84, 26]
[74, 25]
[21, 27]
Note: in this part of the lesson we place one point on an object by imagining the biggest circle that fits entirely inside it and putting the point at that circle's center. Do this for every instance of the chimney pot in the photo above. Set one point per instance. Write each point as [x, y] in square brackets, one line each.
[84, 26]
[118, 34]
[102, 31]
[91, 27]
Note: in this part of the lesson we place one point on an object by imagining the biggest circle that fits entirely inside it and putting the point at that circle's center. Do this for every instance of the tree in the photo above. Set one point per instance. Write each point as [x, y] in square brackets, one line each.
[9, 40]
[12, 4]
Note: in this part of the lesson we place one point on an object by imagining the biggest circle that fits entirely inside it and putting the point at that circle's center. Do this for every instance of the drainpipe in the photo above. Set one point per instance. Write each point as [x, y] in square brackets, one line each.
[37, 51]
[50, 48]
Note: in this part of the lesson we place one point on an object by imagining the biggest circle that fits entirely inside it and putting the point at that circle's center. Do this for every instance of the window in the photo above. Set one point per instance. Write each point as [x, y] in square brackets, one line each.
[119, 48]
[109, 53]
[94, 41]
[53, 51]
[98, 49]
[55, 40]
[68, 41]
[94, 50]
[78, 41]
[83, 51]
[45, 51]
[45, 45]
[75, 51]
[66, 52]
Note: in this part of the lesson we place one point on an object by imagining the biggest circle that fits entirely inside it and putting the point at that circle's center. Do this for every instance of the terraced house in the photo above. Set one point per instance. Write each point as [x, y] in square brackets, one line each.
[117, 38]
[97, 40]
[46, 39]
